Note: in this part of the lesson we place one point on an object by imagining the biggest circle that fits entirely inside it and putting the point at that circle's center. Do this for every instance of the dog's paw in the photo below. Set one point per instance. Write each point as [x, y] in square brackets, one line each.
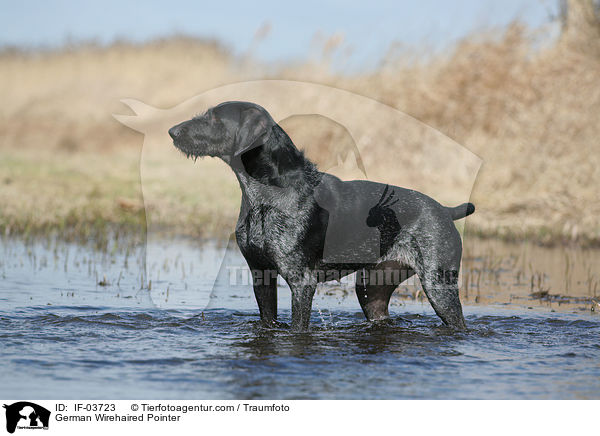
[274, 324]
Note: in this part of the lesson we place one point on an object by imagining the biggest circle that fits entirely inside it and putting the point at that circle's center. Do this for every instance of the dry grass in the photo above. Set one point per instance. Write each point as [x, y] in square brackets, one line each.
[531, 114]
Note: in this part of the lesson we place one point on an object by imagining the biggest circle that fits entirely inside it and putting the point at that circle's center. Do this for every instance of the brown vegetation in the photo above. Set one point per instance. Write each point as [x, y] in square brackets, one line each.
[527, 105]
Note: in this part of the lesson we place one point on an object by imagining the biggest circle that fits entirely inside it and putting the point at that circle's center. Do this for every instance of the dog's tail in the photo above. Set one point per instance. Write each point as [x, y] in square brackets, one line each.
[461, 211]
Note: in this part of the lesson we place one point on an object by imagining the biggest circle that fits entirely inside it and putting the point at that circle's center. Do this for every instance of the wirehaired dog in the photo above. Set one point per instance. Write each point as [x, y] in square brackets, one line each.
[309, 226]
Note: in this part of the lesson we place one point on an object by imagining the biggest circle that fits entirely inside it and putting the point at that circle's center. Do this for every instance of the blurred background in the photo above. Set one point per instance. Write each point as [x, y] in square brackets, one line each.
[496, 102]
[516, 82]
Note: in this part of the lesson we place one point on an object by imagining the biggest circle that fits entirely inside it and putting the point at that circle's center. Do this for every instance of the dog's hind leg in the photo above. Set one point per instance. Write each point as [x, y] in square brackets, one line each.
[375, 286]
[442, 292]
[439, 278]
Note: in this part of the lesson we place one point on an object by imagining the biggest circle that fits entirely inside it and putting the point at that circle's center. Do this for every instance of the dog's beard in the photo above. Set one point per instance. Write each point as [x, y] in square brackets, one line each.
[188, 151]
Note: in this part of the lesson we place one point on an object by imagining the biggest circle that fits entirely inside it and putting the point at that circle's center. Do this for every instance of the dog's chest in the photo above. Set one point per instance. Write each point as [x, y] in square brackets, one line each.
[268, 231]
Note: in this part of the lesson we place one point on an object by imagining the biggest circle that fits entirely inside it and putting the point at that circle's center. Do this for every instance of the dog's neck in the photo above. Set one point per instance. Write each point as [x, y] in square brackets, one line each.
[277, 164]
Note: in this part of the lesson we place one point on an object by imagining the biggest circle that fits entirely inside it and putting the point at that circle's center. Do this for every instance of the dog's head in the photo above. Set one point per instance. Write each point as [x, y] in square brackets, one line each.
[223, 131]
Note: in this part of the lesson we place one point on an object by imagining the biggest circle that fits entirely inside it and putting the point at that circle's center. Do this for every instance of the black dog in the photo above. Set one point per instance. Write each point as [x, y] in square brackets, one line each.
[13, 415]
[309, 226]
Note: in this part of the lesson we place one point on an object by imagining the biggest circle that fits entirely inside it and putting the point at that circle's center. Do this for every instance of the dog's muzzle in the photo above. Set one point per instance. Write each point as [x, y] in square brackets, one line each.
[174, 132]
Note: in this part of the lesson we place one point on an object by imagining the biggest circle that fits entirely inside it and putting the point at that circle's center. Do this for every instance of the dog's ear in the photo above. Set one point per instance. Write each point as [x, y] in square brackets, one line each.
[255, 129]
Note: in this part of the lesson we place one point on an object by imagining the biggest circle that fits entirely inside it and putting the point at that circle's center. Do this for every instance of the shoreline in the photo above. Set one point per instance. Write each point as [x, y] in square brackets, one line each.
[133, 230]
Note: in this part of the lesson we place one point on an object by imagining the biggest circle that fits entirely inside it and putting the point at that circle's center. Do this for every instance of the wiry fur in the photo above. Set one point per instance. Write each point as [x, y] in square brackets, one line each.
[300, 222]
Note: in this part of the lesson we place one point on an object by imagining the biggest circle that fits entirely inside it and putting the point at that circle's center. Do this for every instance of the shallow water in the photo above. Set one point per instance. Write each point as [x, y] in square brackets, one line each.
[78, 323]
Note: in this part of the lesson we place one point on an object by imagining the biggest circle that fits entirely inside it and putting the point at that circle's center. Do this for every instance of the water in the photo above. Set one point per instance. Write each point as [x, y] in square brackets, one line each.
[63, 335]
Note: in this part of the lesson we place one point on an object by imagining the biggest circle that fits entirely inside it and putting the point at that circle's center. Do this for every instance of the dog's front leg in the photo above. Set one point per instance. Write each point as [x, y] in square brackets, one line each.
[265, 291]
[303, 288]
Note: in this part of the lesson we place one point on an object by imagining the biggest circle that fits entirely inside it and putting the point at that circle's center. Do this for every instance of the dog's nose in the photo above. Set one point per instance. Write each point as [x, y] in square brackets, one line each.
[174, 131]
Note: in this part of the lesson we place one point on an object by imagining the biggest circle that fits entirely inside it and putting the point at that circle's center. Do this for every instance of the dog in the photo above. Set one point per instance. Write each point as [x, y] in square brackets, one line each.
[309, 226]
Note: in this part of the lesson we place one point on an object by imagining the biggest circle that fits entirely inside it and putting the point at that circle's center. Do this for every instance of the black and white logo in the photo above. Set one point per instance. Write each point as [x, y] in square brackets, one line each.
[26, 415]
